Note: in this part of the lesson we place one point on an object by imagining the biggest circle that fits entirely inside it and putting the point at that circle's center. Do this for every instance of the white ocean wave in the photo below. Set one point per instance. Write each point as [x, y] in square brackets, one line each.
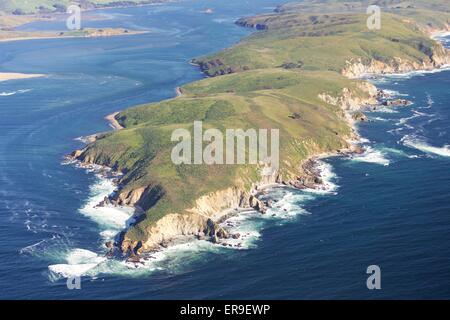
[328, 177]
[394, 93]
[396, 131]
[430, 101]
[53, 249]
[363, 140]
[371, 155]
[405, 120]
[289, 205]
[383, 109]
[379, 119]
[420, 144]
[394, 152]
[392, 77]
[79, 263]
[109, 218]
[11, 93]
[441, 36]
[408, 75]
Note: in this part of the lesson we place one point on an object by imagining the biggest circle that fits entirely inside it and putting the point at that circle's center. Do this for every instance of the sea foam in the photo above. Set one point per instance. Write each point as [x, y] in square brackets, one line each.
[420, 144]
[11, 93]
[248, 223]
[110, 219]
[79, 263]
[328, 177]
[371, 155]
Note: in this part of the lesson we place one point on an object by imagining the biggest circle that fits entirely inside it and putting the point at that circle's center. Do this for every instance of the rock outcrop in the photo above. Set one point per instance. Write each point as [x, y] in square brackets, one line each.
[438, 56]
[348, 101]
[201, 221]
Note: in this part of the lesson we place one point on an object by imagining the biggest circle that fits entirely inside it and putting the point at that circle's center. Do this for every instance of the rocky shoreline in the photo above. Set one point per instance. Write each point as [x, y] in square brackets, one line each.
[207, 227]
[204, 219]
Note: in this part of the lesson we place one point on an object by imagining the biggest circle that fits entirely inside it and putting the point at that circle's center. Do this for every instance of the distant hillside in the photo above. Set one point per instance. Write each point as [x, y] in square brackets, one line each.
[21, 7]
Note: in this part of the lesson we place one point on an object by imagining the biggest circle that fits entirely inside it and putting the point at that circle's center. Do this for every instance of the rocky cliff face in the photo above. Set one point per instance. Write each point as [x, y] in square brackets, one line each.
[202, 220]
[350, 102]
[356, 68]
[351, 105]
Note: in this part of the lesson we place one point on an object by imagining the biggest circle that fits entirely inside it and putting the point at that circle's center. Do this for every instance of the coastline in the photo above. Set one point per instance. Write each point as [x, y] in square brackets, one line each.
[315, 157]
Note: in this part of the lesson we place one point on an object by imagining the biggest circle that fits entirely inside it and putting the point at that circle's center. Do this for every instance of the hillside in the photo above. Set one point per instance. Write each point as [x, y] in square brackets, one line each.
[293, 75]
[22, 7]
[14, 13]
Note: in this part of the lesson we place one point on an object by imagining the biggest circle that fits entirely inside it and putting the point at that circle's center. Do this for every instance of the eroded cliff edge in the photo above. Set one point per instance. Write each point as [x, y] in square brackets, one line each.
[293, 76]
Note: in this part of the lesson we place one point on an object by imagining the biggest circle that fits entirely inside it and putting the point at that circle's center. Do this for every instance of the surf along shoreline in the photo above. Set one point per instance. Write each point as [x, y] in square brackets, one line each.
[311, 164]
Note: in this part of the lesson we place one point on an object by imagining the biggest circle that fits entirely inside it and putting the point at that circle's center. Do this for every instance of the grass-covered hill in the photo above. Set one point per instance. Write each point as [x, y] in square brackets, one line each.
[21, 7]
[271, 79]
[264, 98]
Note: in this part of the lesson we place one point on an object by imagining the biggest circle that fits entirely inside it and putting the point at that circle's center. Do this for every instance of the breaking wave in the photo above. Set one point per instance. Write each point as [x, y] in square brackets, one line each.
[287, 204]
[328, 178]
[110, 219]
[421, 145]
[11, 93]
[371, 155]
[383, 109]
[79, 263]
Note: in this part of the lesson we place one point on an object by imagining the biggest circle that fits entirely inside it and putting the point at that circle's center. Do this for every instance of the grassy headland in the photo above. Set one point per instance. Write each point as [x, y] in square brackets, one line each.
[292, 75]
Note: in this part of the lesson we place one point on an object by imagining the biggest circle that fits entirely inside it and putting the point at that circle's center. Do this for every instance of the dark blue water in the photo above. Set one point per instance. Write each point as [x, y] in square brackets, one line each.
[396, 216]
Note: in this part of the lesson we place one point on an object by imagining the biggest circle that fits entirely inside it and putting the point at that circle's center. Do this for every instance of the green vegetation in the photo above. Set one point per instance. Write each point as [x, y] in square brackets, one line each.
[21, 7]
[312, 39]
[14, 13]
[8, 35]
[271, 79]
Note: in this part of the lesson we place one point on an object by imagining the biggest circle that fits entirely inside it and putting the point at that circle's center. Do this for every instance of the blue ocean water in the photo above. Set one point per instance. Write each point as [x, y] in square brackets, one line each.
[389, 207]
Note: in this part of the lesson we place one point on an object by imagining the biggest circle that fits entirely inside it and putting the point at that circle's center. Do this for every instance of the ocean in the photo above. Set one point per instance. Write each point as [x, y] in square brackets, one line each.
[388, 207]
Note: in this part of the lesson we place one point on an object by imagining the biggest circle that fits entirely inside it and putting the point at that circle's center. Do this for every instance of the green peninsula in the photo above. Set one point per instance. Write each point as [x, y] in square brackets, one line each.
[297, 73]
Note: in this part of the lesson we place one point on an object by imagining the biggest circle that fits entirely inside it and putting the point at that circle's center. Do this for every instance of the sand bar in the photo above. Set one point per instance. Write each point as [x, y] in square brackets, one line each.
[5, 76]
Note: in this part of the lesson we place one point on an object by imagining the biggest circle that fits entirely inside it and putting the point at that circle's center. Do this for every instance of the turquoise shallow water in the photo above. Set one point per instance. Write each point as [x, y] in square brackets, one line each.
[390, 207]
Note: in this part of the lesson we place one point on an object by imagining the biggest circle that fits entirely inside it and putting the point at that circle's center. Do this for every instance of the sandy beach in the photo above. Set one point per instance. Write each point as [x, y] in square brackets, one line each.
[5, 76]
[113, 122]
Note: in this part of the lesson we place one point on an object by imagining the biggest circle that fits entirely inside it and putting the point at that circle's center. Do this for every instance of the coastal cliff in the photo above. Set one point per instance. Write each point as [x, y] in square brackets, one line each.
[295, 75]
[200, 221]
